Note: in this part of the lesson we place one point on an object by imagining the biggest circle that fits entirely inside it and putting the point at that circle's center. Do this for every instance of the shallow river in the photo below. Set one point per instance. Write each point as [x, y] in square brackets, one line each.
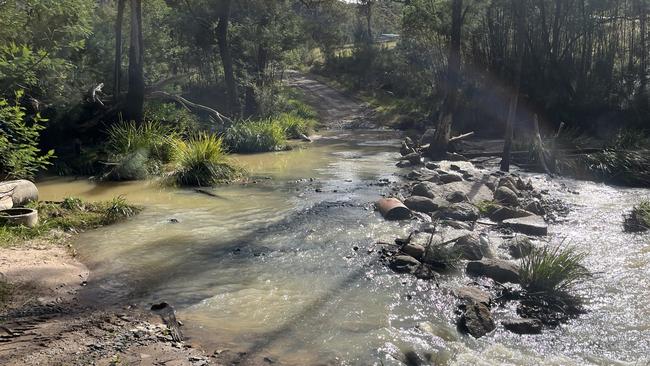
[269, 268]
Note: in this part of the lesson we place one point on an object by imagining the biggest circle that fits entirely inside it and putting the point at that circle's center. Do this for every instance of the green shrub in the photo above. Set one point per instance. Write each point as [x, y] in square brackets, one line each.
[180, 119]
[294, 125]
[255, 136]
[72, 203]
[202, 161]
[301, 109]
[639, 218]
[554, 269]
[624, 167]
[138, 150]
[117, 209]
[20, 156]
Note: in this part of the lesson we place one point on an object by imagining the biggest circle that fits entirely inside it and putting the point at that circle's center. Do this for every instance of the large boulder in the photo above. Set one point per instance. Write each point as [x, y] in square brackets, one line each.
[460, 212]
[424, 189]
[530, 225]
[497, 269]
[523, 326]
[21, 191]
[506, 196]
[421, 204]
[519, 246]
[474, 191]
[477, 320]
[470, 247]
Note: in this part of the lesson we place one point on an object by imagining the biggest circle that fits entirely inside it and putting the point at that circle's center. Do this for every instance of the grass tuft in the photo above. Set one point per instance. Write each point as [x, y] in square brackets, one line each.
[202, 161]
[553, 270]
[256, 136]
[638, 219]
[137, 151]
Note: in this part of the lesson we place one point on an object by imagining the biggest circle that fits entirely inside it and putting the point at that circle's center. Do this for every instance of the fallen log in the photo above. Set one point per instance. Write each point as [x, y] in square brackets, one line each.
[191, 105]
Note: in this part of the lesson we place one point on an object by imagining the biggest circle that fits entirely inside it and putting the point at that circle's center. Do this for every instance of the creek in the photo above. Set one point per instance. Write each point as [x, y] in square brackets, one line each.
[270, 268]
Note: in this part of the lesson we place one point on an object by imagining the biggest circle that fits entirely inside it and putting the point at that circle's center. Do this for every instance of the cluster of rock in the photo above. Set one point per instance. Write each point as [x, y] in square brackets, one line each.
[450, 201]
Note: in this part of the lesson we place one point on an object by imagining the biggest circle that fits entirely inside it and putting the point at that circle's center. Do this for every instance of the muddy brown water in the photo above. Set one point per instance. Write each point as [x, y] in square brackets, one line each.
[269, 268]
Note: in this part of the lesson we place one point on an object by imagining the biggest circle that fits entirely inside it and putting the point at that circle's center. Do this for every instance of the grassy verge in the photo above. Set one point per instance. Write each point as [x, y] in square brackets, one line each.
[72, 215]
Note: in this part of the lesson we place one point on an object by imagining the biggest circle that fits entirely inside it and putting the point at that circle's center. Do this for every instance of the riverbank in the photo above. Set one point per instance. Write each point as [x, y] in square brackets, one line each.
[46, 319]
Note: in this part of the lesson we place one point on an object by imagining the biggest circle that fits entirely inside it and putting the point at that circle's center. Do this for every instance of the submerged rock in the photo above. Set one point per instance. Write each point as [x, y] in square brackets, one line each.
[461, 212]
[530, 225]
[477, 320]
[497, 269]
[523, 326]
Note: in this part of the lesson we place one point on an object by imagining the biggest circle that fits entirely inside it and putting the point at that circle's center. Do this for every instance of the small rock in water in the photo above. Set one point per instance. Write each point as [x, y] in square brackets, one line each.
[497, 269]
[450, 178]
[477, 320]
[473, 295]
[431, 165]
[523, 326]
[173, 221]
[424, 189]
[472, 247]
[530, 225]
[414, 250]
[404, 264]
[460, 212]
[421, 204]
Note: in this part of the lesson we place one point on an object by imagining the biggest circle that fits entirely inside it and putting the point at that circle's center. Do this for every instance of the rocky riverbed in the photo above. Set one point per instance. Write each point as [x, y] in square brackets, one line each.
[469, 218]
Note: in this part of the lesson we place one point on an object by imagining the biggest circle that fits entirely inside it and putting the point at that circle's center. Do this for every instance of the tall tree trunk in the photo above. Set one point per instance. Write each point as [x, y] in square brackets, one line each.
[135, 95]
[643, 50]
[443, 131]
[226, 57]
[117, 70]
[519, 12]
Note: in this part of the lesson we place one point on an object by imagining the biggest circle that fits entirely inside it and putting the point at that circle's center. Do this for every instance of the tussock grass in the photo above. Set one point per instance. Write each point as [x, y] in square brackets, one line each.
[202, 161]
[295, 125]
[137, 151]
[638, 219]
[553, 269]
[71, 215]
[624, 167]
[256, 136]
